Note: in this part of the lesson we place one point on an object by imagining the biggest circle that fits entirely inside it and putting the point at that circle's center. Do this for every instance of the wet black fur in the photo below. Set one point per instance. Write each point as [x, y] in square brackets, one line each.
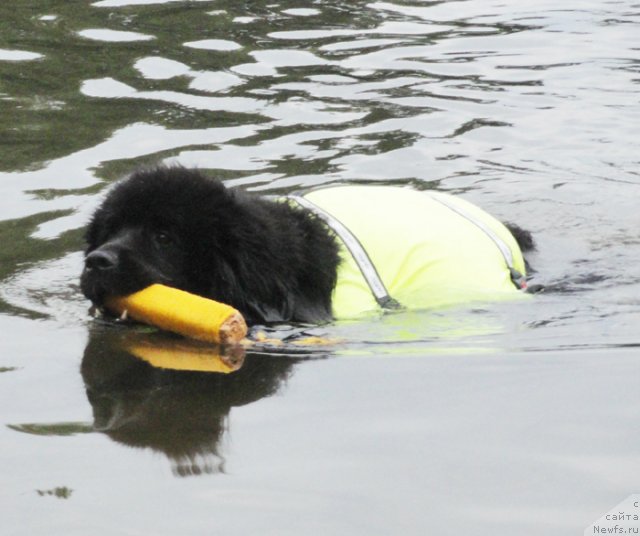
[175, 226]
[270, 260]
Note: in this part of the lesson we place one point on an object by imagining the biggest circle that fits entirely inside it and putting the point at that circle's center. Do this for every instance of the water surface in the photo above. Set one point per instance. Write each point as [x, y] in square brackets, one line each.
[495, 419]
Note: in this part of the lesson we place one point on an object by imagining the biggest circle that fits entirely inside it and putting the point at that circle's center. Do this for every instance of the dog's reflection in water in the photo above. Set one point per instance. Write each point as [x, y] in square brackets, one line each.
[151, 390]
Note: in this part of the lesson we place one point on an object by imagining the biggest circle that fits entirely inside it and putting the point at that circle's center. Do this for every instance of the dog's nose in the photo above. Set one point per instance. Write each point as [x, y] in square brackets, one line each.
[100, 260]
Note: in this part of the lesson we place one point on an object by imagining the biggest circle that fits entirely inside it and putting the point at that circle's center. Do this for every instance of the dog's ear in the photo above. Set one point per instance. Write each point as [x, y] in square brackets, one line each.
[247, 298]
[266, 313]
[303, 310]
[313, 312]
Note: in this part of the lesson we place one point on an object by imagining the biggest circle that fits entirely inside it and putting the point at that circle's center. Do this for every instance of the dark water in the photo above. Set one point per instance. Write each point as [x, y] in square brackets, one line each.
[516, 418]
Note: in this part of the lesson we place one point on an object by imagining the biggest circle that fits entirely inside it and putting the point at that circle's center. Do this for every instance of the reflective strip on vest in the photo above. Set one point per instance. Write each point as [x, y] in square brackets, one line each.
[358, 253]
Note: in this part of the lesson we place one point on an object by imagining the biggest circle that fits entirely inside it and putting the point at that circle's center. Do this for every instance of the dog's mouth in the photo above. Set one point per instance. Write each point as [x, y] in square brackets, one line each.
[99, 310]
[92, 290]
[99, 287]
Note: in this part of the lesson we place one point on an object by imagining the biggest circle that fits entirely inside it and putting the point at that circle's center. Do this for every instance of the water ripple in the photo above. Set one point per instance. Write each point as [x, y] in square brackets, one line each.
[528, 109]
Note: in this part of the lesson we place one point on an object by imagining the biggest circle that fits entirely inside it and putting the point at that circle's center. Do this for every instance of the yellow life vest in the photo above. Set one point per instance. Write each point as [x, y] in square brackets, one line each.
[427, 249]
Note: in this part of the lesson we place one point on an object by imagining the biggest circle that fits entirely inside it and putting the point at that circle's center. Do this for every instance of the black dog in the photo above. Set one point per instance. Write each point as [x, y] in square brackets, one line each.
[272, 261]
[269, 260]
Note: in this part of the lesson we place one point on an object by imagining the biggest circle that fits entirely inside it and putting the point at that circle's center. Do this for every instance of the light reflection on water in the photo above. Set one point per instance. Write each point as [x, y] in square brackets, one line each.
[528, 109]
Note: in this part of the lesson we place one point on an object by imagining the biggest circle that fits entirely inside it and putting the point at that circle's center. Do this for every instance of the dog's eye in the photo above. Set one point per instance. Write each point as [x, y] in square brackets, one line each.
[163, 238]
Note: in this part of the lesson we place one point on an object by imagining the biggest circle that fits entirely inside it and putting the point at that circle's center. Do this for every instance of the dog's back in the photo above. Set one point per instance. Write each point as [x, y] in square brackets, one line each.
[429, 249]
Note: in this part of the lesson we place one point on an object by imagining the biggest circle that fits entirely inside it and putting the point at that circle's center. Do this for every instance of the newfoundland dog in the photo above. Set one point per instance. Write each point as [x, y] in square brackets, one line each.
[276, 260]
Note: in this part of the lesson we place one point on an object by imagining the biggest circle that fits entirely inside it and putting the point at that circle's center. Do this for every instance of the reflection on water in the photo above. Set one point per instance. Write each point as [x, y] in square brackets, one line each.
[187, 355]
[157, 391]
[172, 396]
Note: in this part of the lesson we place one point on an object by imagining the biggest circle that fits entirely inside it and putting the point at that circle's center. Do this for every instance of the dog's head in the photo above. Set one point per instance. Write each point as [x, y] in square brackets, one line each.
[160, 225]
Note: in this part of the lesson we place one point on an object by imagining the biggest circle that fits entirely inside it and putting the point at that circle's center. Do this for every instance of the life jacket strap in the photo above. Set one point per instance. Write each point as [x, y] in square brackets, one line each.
[359, 254]
[517, 278]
